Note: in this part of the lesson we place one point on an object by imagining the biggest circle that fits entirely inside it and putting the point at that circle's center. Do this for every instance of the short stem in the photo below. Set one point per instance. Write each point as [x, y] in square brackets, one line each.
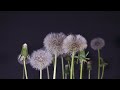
[102, 72]
[48, 75]
[81, 69]
[40, 73]
[25, 69]
[62, 67]
[98, 64]
[71, 69]
[65, 76]
[69, 65]
[89, 74]
[55, 64]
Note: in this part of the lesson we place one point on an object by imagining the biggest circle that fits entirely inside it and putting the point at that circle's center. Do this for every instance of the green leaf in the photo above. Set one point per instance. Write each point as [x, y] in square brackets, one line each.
[76, 57]
[87, 53]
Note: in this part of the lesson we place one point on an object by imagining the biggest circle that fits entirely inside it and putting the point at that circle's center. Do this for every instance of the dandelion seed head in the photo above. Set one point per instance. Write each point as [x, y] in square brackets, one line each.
[74, 43]
[53, 43]
[40, 59]
[97, 43]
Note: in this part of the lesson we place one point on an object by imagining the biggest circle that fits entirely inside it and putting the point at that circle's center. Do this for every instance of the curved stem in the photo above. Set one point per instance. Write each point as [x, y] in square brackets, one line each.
[71, 69]
[48, 75]
[102, 72]
[25, 69]
[98, 64]
[40, 73]
[62, 67]
[81, 68]
[55, 64]
[88, 74]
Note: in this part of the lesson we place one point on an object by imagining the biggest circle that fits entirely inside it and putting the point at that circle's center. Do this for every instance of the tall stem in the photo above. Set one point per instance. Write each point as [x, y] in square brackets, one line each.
[40, 73]
[55, 64]
[98, 64]
[89, 74]
[62, 67]
[102, 72]
[25, 69]
[71, 69]
[69, 66]
[23, 73]
[81, 68]
[48, 75]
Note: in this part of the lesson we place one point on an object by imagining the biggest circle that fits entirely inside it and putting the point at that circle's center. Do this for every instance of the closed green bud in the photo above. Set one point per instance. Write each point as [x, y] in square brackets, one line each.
[24, 51]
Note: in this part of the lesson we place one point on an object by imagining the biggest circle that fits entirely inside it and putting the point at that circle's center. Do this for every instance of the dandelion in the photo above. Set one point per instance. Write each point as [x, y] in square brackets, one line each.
[40, 60]
[23, 58]
[98, 44]
[73, 44]
[53, 43]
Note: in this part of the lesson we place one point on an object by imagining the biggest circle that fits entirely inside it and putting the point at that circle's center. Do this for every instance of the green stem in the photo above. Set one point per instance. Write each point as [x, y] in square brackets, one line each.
[102, 72]
[40, 73]
[62, 67]
[65, 76]
[25, 69]
[48, 75]
[89, 74]
[55, 64]
[72, 62]
[77, 61]
[98, 64]
[73, 72]
[81, 68]
[23, 73]
[69, 65]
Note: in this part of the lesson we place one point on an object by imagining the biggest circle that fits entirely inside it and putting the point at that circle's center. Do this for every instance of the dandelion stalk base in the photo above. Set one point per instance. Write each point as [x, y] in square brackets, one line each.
[55, 64]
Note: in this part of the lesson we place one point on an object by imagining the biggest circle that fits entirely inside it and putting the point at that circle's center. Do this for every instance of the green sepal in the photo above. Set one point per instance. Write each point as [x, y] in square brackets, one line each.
[24, 52]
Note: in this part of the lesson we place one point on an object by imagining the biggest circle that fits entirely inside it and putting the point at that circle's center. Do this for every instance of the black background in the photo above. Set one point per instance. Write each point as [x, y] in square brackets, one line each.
[18, 27]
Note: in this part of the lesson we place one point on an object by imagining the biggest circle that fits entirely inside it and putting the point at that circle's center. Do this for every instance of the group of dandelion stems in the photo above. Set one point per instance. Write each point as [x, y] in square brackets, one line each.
[74, 47]
[81, 57]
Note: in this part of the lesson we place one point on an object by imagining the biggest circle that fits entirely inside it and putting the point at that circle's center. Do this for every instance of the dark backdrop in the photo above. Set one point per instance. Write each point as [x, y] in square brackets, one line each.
[18, 27]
